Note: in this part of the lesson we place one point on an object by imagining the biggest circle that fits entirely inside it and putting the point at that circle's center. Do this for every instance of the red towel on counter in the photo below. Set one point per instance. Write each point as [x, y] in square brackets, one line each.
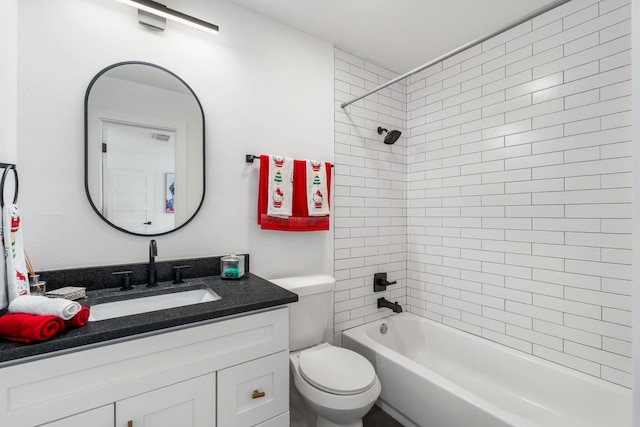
[28, 327]
[299, 219]
[80, 319]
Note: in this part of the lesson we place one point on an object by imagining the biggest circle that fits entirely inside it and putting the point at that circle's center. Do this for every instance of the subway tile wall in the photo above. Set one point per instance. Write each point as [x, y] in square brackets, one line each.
[370, 215]
[519, 189]
[505, 208]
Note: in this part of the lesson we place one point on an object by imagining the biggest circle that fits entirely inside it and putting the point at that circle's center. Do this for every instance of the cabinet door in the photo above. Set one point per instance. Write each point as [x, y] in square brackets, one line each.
[99, 417]
[253, 392]
[191, 403]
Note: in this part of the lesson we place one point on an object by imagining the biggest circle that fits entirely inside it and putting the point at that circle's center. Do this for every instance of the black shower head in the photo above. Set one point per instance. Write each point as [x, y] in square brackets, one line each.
[392, 136]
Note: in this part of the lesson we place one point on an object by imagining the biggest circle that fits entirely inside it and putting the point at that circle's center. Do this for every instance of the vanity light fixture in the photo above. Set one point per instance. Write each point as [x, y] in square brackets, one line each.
[155, 8]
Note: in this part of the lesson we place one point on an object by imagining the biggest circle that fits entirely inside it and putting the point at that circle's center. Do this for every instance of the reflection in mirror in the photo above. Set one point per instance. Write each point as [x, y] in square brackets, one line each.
[144, 149]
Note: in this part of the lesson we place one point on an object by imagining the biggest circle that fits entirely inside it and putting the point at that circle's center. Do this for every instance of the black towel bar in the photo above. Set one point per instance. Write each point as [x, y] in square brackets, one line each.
[8, 167]
[249, 158]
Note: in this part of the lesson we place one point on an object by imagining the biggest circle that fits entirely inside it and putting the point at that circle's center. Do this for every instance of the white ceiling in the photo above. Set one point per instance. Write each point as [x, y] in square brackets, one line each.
[397, 34]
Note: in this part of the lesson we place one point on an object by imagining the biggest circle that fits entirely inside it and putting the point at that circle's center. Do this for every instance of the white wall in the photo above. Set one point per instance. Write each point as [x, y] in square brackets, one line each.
[370, 187]
[264, 88]
[8, 81]
[520, 155]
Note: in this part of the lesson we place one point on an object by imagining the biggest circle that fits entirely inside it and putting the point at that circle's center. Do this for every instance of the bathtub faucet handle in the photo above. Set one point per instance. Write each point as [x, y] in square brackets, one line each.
[380, 282]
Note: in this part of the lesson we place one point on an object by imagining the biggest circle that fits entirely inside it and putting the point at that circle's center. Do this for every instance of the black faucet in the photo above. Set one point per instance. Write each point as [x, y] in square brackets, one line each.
[151, 269]
[383, 302]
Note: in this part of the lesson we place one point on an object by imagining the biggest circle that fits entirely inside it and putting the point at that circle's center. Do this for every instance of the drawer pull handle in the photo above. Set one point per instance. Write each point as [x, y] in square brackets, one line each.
[257, 394]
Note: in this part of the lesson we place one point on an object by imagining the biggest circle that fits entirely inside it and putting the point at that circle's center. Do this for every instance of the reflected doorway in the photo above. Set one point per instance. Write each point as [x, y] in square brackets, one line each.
[136, 161]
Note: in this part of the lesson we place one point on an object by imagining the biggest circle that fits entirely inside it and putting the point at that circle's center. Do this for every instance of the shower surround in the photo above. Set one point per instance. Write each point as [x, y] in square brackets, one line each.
[516, 160]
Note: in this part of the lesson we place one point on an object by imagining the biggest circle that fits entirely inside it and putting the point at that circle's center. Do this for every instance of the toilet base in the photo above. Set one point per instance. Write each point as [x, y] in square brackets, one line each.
[302, 414]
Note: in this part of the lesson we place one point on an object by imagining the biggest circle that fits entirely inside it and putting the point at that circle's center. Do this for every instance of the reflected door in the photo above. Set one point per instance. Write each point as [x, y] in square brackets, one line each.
[136, 162]
[129, 201]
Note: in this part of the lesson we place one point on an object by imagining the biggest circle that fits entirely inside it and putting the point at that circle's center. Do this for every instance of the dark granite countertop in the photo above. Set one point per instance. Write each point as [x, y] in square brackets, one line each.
[238, 296]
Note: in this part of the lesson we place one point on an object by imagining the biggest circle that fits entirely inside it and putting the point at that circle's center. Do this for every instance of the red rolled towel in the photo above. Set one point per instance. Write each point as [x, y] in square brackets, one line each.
[28, 327]
[80, 319]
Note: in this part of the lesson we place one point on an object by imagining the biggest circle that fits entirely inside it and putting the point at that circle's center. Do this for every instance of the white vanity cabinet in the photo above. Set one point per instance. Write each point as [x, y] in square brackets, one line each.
[233, 372]
[189, 403]
[98, 417]
[186, 404]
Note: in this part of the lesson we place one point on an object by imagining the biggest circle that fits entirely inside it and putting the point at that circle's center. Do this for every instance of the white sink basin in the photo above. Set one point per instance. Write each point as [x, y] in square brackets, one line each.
[110, 310]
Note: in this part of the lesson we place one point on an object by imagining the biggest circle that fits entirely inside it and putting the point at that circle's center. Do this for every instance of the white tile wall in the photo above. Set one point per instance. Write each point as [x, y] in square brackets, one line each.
[531, 174]
[371, 190]
[505, 208]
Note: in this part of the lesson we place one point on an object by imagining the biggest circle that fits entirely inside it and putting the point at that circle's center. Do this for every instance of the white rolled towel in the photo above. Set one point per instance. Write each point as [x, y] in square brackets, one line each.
[44, 306]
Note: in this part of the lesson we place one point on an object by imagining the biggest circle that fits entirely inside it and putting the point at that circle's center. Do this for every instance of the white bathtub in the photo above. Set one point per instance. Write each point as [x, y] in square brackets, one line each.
[437, 376]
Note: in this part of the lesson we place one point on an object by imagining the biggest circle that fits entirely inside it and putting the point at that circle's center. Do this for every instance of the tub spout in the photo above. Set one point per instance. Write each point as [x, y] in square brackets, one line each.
[383, 302]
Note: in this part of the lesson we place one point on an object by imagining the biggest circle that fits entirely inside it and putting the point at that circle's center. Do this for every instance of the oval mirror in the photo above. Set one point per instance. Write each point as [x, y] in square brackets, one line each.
[144, 149]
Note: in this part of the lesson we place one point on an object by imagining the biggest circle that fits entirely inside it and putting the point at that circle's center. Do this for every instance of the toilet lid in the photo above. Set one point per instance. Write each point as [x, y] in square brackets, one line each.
[337, 370]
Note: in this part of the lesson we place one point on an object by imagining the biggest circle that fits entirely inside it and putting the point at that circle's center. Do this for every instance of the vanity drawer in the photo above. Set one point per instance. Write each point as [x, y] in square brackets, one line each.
[253, 392]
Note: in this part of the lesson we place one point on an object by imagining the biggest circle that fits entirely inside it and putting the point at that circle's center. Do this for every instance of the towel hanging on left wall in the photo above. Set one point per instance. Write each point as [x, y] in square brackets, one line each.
[4, 298]
[14, 259]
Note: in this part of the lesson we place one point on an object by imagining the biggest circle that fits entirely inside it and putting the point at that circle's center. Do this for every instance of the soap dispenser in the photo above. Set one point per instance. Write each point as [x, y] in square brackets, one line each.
[232, 266]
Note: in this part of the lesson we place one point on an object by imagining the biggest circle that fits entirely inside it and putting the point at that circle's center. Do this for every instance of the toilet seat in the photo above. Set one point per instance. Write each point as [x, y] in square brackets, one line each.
[336, 370]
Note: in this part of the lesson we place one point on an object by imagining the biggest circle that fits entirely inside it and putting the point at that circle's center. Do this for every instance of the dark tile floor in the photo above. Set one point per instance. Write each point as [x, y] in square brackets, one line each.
[376, 417]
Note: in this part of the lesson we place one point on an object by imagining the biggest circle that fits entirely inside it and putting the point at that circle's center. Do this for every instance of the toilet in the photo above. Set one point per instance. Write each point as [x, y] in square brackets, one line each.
[337, 386]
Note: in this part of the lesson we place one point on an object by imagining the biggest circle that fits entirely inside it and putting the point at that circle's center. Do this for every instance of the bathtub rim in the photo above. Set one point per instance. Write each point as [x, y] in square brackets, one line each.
[485, 341]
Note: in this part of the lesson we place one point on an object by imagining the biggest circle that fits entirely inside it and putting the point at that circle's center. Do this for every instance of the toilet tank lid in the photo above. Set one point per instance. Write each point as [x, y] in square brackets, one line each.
[307, 285]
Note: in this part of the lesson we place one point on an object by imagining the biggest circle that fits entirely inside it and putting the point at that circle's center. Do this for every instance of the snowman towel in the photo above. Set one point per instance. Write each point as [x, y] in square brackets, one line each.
[280, 192]
[15, 263]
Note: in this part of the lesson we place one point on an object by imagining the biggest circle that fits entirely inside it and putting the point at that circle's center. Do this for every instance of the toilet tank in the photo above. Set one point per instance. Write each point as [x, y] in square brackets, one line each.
[311, 317]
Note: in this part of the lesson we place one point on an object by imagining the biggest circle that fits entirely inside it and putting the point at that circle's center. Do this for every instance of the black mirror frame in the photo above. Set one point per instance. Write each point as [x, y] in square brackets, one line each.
[86, 147]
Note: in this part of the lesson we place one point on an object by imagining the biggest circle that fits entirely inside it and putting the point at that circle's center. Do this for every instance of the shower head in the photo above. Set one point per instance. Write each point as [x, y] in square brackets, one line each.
[392, 136]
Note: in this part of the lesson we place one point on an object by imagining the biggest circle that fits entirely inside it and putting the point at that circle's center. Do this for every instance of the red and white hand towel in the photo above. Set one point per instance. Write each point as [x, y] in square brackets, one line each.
[15, 262]
[317, 194]
[305, 185]
[280, 192]
[4, 298]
